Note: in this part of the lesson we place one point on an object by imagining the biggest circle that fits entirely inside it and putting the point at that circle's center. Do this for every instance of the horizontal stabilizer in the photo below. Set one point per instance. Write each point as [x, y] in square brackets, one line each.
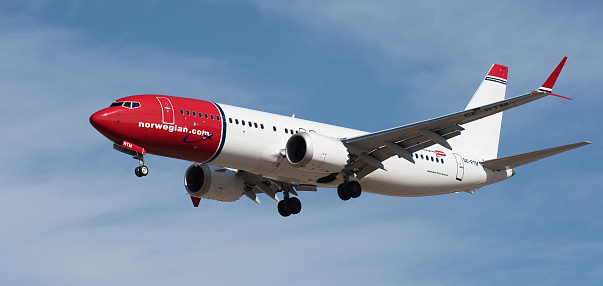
[522, 159]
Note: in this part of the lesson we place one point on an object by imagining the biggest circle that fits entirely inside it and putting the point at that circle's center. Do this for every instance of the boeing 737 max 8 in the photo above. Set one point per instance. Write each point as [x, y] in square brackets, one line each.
[238, 151]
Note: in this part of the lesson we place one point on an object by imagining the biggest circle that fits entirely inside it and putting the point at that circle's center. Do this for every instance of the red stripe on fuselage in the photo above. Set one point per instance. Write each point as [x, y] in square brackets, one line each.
[193, 138]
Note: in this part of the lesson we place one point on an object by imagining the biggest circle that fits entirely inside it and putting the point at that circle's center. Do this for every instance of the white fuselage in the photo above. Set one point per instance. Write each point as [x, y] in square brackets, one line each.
[258, 150]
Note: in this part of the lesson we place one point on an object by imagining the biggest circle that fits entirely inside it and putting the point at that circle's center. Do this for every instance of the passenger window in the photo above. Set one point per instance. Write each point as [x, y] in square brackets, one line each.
[243, 122]
[286, 131]
[421, 156]
[250, 125]
[431, 159]
[218, 117]
[274, 128]
[212, 117]
[262, 126]
[188, 113]
[205, 115]
[255, 125]
[194, 114]
[237, 121]
[230, 120]
[442, 161]
[181, 111]
[437, 160]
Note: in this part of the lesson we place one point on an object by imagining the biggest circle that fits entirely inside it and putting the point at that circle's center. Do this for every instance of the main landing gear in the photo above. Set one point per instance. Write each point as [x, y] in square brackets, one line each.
[289, 205]
[349, 189]
[141, 170]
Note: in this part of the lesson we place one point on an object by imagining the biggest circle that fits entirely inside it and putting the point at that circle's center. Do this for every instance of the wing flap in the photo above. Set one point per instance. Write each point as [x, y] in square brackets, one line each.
[522, 159]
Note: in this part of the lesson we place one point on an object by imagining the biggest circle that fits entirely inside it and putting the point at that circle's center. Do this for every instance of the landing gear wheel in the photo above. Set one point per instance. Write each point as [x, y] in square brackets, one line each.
[293, 205]
[342, 193]
[144, 170]
[141, 171]
[353, 189]
[282, 209]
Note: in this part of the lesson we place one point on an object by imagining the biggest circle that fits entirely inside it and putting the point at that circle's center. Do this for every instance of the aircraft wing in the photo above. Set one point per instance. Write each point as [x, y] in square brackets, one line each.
[374, 148]
[522, 159]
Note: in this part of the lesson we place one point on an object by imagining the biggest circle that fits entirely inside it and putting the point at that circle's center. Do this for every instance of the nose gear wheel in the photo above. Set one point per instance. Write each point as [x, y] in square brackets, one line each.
[141, 170]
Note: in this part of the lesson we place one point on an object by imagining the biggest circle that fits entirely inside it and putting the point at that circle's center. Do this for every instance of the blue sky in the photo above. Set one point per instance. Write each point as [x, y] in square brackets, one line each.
[72, 212]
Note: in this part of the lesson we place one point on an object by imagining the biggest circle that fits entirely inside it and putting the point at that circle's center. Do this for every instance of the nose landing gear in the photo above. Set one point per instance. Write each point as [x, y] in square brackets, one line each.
[141, 170]
[137, 152]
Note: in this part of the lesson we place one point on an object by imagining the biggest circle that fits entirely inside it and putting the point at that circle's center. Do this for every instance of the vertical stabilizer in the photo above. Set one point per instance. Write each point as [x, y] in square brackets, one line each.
[481, 137]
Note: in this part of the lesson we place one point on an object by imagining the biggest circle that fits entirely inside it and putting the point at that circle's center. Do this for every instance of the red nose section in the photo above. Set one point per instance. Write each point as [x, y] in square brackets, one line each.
[102, 121]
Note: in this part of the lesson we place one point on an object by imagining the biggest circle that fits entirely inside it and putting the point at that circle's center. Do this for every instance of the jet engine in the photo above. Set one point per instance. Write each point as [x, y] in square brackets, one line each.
[214, 183]
[317, 153]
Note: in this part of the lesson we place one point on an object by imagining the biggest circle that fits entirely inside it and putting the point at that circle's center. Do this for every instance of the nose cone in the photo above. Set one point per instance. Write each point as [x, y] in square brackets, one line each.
[102, 120]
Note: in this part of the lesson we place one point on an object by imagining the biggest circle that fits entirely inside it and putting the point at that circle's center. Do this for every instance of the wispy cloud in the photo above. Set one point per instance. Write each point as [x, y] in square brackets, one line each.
[435, 47]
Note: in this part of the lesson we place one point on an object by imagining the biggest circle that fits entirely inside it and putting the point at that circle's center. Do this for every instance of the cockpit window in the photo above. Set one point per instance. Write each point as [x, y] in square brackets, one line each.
[126, 104]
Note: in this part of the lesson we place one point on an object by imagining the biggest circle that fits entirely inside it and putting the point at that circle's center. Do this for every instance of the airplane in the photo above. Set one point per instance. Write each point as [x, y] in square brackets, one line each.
[242, 152]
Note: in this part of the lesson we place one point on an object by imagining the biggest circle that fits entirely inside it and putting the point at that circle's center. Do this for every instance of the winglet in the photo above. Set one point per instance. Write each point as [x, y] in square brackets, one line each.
[547, 87]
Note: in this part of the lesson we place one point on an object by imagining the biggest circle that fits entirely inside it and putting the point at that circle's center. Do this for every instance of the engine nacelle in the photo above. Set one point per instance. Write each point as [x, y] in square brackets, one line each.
[214, 183]
[317, 153]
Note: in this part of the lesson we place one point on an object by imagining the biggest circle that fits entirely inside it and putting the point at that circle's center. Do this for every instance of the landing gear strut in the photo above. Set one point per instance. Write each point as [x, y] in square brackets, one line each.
[349, 189]
[289, 205]
[141, 170]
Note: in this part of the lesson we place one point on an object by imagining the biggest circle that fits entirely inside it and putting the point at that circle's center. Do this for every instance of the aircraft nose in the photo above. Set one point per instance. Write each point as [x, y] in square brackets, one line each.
[102, 121]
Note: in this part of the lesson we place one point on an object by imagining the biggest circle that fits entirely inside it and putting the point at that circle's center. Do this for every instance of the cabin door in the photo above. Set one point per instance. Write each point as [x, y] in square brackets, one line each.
[167, 110]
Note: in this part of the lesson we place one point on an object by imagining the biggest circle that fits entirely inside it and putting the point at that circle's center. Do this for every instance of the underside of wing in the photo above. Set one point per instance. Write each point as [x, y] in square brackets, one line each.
[260, 184]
